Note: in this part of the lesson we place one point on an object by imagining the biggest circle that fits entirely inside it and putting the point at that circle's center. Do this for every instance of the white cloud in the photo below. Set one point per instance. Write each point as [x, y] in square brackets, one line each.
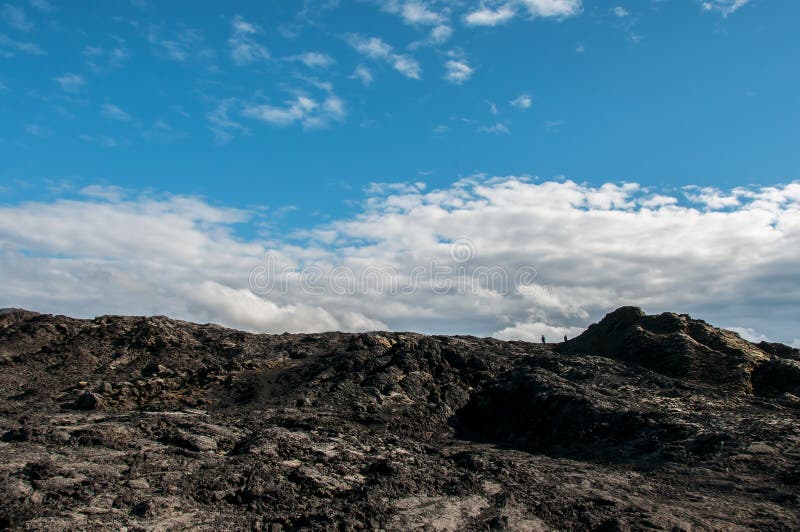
[371, 47]
[458, 71]
[70, 82]
[302, 109]
[376, 49]
[658, 200]
[523, 101]
[113, 112]
[418, 13]
[621, 12]
[313, 59]
[749, 334]
[488, 14]
[98, 57]
[553, 8]
[413, 12]
[221, 124]
[533, 332]
[496, 129]
[16, 18]
[8, 46]
[725, 7]
[485, 16]
[36, 130]
[593, 248]
[182, 260]
[182, 45]
[713, 198]
[108, 193]
[795, 343]
[441, 33]
[42, 5]
[244, 49]
[362, 74]
[579, 48]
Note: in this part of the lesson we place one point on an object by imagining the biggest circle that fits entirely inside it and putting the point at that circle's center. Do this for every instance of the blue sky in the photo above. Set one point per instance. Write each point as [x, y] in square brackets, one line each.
[301, 117]
[668, 94]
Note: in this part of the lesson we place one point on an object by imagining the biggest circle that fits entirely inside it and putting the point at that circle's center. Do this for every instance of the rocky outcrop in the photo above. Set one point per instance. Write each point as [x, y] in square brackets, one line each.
[643, 422]
[674, 345]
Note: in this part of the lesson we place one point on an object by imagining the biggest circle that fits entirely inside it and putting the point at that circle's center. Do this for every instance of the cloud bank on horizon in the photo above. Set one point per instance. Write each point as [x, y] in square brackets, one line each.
[121, 119]
[729, 256]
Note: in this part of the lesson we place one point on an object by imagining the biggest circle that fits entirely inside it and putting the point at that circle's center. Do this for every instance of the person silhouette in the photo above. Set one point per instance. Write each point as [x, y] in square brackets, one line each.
[565, 337]
[543, 340]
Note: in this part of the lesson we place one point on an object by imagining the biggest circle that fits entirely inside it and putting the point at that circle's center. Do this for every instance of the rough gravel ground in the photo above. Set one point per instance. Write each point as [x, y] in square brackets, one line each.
[156, 424]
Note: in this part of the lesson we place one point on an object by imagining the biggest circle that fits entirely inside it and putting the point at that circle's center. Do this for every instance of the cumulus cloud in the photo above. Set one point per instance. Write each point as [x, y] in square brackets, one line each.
[313, 59]
[553, 8]
[749, 334]
[585, 250]
[70, 82]
[16, 17]
[523, 101]
[302, 109]
[620, 12]
[113, 112]
[170, 255]
[496, 129]
[180, 45]
[493, 13]
[109, 193]
[8, 46]
[533, 332]
[458, 71]
[376, 49]
[413, 12]
[724, 7]
[441, 33]
[244, 49]
[486, 16]
[363, 74]
[99, 57]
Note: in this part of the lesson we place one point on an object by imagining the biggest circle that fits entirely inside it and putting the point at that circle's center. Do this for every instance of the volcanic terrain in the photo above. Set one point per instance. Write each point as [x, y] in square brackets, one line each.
[641, 423]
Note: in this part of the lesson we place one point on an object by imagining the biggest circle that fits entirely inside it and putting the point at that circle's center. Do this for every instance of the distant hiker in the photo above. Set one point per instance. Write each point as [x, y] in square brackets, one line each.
[543, 340]
[565, 338]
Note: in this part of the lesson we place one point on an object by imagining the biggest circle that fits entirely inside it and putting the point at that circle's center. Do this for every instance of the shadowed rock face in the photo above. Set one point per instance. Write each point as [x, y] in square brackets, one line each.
[643, 422]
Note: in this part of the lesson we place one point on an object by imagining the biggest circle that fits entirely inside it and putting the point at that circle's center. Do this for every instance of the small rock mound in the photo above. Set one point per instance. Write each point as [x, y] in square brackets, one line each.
[9, 316]
[672, 344]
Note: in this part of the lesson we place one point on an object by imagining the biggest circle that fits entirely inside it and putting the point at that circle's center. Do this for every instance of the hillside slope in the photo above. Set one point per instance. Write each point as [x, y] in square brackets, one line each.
[643, 422]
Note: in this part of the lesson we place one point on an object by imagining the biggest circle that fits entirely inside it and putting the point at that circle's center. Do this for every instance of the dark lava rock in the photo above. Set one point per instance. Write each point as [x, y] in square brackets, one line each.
[87, 401]
[641, 423]
[672, 344]
[776, 377]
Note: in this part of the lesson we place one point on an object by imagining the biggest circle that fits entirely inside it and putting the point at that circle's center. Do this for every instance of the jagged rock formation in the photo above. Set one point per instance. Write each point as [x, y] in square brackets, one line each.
[642, 423]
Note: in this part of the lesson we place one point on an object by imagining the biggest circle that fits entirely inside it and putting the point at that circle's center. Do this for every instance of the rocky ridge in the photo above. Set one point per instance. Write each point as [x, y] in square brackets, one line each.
[641, 423]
